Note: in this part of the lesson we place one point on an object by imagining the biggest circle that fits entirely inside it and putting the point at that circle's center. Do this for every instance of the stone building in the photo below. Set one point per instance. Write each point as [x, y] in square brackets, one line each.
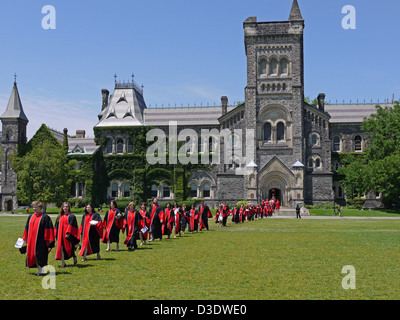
[284, 146]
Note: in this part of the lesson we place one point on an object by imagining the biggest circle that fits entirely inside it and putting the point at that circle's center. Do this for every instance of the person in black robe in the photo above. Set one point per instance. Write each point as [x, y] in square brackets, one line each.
[91, 231]
[204, 213]
[131, 225]
[113, 223]
[39, 238]
[156, 221]
[184, 220]
[236, 215]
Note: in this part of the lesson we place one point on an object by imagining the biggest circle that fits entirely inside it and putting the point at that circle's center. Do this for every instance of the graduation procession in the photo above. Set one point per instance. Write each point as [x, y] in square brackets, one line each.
[138, 224]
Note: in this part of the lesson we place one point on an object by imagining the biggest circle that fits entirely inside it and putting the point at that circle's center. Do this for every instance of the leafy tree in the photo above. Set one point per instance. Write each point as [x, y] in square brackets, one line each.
[379, 169]
[43, 173]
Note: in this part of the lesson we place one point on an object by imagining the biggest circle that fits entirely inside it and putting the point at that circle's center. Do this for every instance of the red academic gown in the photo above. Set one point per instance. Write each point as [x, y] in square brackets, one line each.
[168, 221]
[144, 222]
[193, 219]
[91, 234]
[177, 214]
[39, 237]
[203, 217]
[66, 225]
[131, 224]
[112, 226]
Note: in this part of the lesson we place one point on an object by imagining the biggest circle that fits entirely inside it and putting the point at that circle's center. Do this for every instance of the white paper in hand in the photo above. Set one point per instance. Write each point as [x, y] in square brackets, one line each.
[19, 243]
[93, 222]
[144, 230]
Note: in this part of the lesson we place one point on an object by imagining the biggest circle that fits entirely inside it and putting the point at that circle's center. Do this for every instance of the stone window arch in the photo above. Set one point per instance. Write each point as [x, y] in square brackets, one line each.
[109, 146]
[358, 144]
[120, 146]
[267, 132]
[284, 67]
[193, 189]
[315, 139]
[206, 188]
[262, 67]
[280, 132]
[336, 144]
[273, 67]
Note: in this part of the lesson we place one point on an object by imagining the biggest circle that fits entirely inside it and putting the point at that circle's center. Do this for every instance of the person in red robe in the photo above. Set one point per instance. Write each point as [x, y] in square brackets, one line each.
[67, 235]
[156, 221]
[235, 215]
[178, 213]
[144, 223]
[113, 222]
[169, 219]
[193, 218]
[277, 205]
[39, 238]
[131, 225]
[91, 231]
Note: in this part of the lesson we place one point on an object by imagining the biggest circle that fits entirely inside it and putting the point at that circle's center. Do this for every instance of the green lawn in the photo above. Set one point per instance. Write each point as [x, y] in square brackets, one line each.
[357, 213]
[262, 259]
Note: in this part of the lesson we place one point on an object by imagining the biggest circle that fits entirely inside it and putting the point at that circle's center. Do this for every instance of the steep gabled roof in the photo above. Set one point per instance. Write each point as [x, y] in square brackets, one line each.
[14, 108]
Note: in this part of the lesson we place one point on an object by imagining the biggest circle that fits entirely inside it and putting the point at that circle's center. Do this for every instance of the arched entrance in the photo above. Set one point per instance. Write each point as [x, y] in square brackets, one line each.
[275, 193]
[8, 205]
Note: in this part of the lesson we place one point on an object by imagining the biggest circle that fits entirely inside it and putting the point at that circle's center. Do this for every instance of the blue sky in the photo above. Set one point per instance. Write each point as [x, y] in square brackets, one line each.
[183, 52]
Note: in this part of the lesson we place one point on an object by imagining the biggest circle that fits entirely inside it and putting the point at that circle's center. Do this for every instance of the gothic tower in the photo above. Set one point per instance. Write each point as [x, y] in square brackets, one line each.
[14, 122]
[274, 98]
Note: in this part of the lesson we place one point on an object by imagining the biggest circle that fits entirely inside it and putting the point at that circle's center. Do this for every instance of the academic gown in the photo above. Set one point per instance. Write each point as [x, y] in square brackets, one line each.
[177, 214]
[112, 226]
[156, 215]
[39, 237]
[193, 216]
[203, 217]
[91, 234]
[235, 216]
[131, 225]
[67, 224]
[144, 221]
[168, 223]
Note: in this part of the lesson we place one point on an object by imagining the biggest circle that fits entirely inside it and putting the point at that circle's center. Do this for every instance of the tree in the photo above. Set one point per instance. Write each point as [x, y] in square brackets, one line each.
[43, 174]
[379, 169]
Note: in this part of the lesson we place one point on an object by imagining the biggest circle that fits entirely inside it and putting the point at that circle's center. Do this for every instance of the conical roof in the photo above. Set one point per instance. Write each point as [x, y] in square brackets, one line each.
[14, 108]
[295, 13]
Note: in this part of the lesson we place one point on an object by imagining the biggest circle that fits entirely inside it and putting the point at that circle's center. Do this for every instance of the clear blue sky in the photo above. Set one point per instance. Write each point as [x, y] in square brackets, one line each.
[183, 52]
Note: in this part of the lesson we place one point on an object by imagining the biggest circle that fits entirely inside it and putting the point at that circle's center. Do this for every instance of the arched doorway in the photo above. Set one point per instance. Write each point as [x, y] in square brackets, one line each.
[275, 193]
[8, 205]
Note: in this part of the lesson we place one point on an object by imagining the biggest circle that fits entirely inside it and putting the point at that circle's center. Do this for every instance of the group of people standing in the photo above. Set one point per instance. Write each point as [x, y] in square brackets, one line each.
[40, 235]
[249, 212]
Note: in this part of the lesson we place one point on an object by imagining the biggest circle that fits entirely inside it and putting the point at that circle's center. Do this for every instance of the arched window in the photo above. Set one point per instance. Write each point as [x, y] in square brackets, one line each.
[273, 67]
[357, 143]
[109, 146]
[206, 190]
[130, 146]
[314, 139]
[280, 132]
[310, 163]
[193, 190]
[166, 191]
[153, 191]
[317, 163]
[114, 190]
[284, 66]
[127, 191]
[263, 67]
[336, 144]
[120, 146]
[267, 131]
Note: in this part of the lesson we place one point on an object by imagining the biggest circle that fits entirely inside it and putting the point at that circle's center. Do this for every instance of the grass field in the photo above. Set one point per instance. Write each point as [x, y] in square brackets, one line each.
[262, 259]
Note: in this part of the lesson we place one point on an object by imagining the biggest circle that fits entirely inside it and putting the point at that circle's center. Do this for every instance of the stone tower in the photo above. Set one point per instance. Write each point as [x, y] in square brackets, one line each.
[14, 123]
[274, 98]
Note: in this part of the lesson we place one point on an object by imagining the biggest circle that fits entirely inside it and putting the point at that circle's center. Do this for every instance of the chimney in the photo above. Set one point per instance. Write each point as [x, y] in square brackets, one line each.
[80, 134]
[105, 93]
[224, 103]
[321, 102]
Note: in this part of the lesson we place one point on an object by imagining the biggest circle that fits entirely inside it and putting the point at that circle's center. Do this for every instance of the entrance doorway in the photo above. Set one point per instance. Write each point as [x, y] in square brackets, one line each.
[275, 193]
[8, 205]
